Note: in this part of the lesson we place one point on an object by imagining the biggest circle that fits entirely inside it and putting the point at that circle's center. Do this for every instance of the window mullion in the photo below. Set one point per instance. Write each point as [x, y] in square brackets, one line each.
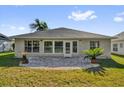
[53, 44]
[32, 46]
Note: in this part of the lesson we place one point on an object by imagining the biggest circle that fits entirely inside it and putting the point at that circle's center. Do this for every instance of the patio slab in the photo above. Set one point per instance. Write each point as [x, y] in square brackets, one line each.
[58, 62]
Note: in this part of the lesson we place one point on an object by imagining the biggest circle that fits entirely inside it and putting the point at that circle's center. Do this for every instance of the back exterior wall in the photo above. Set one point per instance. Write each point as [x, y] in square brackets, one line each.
[83, 45]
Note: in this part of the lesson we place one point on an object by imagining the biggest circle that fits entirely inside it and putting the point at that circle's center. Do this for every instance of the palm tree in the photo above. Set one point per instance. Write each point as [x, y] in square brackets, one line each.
[93, 53]
[39, 25]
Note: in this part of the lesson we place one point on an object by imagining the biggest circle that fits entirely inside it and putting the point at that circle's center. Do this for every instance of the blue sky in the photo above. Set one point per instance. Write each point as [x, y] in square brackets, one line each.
[107, 20]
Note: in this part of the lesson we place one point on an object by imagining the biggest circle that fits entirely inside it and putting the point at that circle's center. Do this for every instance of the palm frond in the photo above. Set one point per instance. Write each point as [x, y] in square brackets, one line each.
[33, 26]
[39, 25]
[93, 53]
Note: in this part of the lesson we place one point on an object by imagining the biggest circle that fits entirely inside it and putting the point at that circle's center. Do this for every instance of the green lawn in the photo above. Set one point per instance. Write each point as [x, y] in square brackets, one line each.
[21, 76]
[8, 59]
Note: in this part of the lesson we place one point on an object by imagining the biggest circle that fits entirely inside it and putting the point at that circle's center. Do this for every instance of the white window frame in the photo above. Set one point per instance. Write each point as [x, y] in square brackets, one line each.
[32, 45]
[77, 46]
[70, 54]
[97, 43]
[53, 42]
[121, 45]
[115, 47]
[52, 46]
[27, 46]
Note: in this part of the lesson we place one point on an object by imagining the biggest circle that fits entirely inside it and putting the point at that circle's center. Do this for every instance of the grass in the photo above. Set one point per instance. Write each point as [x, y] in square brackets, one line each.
[116, 62]
[22, 76]
[7, 59]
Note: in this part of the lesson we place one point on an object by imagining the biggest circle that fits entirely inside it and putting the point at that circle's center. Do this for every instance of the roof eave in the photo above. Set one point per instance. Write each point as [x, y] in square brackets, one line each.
[62, 38]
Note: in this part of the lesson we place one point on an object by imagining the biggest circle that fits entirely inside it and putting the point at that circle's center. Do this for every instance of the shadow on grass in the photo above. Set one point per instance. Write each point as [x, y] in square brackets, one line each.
[104, 63]
[9, 60]
[96, 70]
[109, 63]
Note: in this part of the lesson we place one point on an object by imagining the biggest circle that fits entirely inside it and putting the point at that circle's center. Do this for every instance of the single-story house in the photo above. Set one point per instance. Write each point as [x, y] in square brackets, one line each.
[5, 44]
[60, 42]
[117, 44]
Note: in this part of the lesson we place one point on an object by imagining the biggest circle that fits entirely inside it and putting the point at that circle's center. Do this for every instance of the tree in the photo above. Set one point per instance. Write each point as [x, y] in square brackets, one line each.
[39, 25]
[93, 53]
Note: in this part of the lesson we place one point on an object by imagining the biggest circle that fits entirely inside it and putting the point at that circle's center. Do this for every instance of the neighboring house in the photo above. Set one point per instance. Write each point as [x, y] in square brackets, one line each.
[60, 42]
[117, 45]
[3, 37]
[12, 40]
[5, 44]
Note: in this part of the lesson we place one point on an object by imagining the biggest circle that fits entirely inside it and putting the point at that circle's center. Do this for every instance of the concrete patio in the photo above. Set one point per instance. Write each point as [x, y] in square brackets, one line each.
[58, 62]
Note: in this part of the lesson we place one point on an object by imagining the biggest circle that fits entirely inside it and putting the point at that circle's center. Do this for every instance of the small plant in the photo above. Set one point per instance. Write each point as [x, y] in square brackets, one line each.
[24, 59]
[93, 53]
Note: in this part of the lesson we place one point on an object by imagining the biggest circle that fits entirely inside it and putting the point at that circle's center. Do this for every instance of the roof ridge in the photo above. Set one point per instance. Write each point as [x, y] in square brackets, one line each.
[79, 31]
[62, 32]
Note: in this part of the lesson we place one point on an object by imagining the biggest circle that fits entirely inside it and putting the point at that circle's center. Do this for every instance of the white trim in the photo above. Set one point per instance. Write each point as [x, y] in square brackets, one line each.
[68, 55]
[43, 46]
[40, 46]
[32, 45]
[63, 46]
[53, 45]
[77, 46]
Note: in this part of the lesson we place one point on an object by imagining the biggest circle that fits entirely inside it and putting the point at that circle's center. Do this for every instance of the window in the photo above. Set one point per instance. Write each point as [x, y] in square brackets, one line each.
[74, 46]
[28, 46]
[94, 44]
[115, 47]
[48, 47]
[67, 47]
[35, 46]
[121, 45]
[58, 47]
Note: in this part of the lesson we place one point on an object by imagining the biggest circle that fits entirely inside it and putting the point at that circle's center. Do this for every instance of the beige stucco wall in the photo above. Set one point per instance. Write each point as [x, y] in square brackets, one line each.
[120, 50]
[104, 43]
[82, 45]
[19, 47]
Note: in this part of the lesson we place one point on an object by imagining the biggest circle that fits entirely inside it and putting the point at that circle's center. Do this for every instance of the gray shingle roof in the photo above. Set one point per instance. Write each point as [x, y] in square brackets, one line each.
[119, 36]
[3, 37]
[62, 33]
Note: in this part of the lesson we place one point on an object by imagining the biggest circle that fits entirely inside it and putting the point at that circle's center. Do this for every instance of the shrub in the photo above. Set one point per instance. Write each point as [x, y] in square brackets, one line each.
[93, 53]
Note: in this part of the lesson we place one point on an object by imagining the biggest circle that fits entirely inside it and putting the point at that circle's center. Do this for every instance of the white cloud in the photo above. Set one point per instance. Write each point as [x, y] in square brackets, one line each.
[118, 19]
[81, 16]
[93, 17]
[21, 28]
